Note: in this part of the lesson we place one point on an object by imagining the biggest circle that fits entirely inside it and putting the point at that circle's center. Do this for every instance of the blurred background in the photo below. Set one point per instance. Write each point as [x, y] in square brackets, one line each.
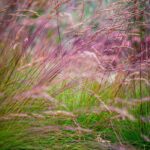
[74, 74]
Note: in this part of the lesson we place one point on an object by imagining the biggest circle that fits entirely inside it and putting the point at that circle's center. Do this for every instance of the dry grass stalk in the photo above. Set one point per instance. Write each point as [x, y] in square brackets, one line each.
[14, 116]
[60, 113]
[122, 112]
[48, 129]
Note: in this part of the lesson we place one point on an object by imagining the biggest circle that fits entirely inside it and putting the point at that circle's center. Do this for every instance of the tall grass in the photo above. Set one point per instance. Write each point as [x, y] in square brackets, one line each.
[75, 73]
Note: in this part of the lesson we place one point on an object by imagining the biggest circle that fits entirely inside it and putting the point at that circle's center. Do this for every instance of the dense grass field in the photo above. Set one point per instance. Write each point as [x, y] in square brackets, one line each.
[74, 75]
[78, 122]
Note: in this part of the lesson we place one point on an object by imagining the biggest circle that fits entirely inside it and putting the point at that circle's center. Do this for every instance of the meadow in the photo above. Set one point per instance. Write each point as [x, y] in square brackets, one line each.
[74, 75]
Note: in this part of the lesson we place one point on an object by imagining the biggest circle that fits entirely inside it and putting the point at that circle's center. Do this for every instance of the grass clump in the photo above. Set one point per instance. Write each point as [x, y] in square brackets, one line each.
[74, 75]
